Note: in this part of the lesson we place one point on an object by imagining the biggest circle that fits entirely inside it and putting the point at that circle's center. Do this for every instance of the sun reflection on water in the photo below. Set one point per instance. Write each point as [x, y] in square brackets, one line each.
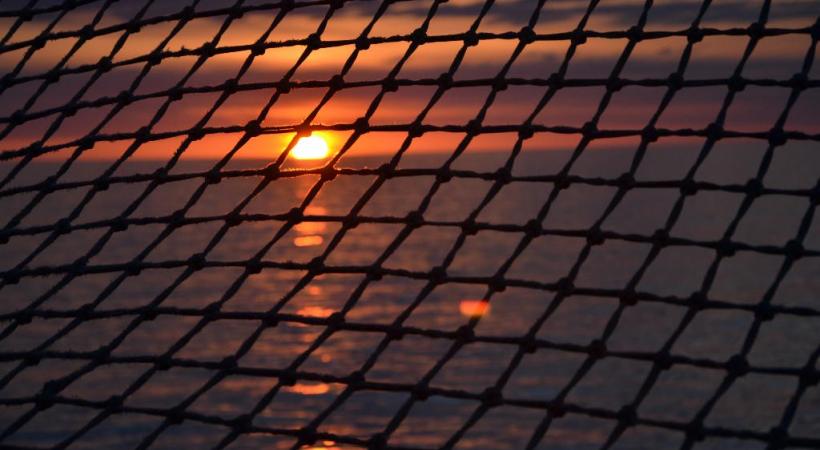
[307, 228]
[325, 445]
[315, 311]
[308, 241]
[315, 210]
[314, 290]
[474, 308]
[310, 233]
[307, 388]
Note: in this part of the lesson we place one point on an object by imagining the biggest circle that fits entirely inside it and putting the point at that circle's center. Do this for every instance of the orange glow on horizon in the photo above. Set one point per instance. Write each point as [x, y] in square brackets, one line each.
[310, 148]
[474, 308]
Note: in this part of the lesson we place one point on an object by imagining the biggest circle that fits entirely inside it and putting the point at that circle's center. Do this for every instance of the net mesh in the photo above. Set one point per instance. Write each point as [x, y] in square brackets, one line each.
[52, 392]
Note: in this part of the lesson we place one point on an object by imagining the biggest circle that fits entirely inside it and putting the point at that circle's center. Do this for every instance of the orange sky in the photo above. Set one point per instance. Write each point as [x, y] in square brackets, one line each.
[755, 109]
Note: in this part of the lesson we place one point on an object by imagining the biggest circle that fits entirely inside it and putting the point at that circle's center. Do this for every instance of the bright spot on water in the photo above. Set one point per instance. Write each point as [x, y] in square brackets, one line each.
[310, 227]
[315, 210]
[325, 445]
[308, 241]
[474, 308]
[311, 311]
[308, 388]
[315, 311]
[314, 290]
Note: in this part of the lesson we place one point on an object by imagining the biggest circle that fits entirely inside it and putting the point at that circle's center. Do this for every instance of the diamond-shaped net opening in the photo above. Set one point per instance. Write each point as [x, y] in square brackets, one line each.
[174, 274]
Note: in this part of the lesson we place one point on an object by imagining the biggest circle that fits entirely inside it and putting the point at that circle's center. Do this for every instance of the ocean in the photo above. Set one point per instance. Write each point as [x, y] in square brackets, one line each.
[592, 389]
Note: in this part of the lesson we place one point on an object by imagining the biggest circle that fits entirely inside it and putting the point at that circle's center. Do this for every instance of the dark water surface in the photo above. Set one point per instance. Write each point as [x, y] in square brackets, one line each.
[755, 402]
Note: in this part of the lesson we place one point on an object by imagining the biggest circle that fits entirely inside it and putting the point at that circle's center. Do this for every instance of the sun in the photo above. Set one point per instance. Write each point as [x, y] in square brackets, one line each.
[310, 147]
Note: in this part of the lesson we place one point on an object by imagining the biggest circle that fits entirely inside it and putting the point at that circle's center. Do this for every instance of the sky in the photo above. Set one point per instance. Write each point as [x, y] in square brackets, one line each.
[755, 108]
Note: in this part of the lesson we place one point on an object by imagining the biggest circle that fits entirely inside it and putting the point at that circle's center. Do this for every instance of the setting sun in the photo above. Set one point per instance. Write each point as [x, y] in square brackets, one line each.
[310, 147]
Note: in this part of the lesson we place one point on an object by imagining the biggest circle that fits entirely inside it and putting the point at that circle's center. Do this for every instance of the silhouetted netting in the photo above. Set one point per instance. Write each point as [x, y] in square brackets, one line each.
[29, 412]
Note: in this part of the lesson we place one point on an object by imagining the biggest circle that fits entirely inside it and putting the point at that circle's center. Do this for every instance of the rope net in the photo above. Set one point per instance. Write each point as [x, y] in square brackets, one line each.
[84, 393]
